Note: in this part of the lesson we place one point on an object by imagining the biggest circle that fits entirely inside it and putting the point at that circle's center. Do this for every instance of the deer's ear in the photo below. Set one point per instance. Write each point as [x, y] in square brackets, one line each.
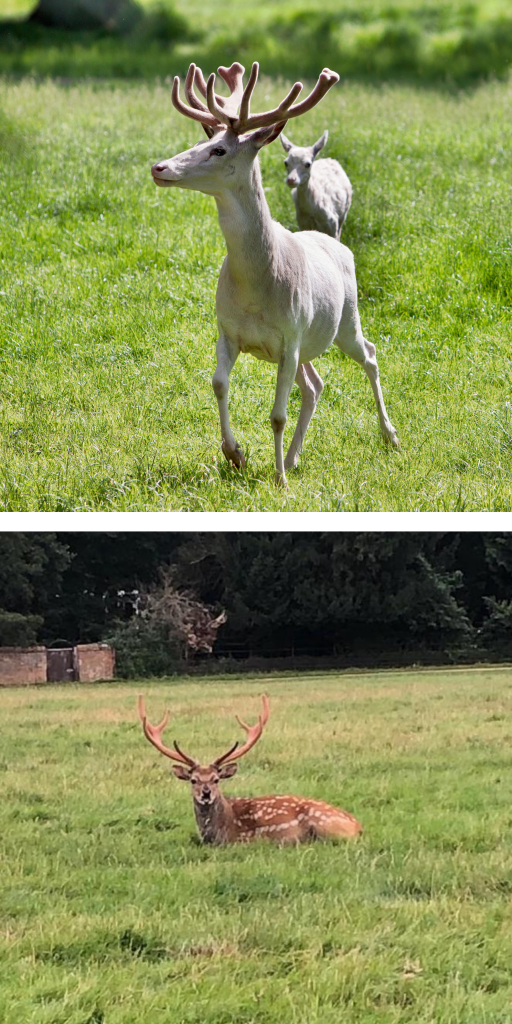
[264, 136]
[181, 772]
[321, 142]
[286, 144]
[209, 131]
[228, 770]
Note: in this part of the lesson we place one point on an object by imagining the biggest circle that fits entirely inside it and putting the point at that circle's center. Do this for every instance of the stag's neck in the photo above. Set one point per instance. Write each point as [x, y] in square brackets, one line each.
[248, 228]
[215, 821]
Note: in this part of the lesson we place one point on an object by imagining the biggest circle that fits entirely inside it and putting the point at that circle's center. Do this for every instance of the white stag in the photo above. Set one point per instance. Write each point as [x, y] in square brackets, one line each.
[282, 297]
[321, 191]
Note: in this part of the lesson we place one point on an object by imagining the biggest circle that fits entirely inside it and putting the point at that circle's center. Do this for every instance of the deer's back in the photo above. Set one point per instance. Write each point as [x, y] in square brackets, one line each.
[290, 819]
[324, 202]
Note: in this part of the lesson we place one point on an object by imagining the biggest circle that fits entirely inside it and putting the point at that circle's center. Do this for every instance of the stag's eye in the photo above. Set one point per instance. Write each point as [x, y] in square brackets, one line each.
[218, 151]
[307, 163]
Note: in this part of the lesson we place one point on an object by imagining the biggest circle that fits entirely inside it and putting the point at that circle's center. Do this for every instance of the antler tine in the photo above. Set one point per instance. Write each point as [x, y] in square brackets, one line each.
[245, 105]
[253, 734]
[189, 90]
[200, 81]
[279, 113]
[234, 79]
[204, 116]
[153, 733]
[285, 111]
[213, 103]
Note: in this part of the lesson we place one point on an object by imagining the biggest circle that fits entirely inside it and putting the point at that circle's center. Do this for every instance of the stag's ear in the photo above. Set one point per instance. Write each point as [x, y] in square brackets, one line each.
[181, 772]
[209, 131]
[264, 136]
[286, 144]
[228, 770]
[321, 143]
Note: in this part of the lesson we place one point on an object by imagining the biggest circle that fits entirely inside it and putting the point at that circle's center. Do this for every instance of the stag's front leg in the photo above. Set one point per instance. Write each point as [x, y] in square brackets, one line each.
[226, 358]
[286, 373]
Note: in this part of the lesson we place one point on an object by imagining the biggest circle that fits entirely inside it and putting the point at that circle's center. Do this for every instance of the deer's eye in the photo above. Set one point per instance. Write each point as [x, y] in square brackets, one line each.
[285, 163]
[307, 163]
[194, 781]
[218, 151]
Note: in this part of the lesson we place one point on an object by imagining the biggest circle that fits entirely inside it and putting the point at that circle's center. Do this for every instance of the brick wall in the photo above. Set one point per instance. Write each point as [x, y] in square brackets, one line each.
[22, 665]
[95, 662]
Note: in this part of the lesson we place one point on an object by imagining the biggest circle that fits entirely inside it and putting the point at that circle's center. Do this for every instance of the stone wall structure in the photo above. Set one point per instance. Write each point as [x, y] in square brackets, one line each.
[24, 666]
[95, 662]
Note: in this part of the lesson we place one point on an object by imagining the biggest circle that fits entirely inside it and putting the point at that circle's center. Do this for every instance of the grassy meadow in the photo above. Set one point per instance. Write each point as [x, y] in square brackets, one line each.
[107, 323]
[112, 913]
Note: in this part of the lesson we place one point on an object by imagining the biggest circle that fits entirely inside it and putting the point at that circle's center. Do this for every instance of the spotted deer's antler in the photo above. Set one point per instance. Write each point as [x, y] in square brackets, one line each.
[153, 733]
[223, 111]
[253, 734]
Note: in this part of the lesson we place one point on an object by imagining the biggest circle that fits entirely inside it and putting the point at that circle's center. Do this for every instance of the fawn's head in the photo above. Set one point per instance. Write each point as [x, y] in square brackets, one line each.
[234, 134]
[204, 779]
[299, 160]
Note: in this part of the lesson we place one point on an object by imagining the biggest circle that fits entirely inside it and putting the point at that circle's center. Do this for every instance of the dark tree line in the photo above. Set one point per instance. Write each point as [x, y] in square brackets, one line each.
[363, 596]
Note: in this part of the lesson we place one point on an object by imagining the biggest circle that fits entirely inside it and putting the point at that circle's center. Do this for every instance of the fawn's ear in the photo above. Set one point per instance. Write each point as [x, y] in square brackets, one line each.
[264, 136]
[286, 144]
[228, 770]
[181, 772]
[321, 143]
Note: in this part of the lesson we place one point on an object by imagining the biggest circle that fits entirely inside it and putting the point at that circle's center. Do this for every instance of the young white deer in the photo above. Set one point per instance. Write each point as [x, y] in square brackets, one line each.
[282, 297]
[220, 820]
[321, 191]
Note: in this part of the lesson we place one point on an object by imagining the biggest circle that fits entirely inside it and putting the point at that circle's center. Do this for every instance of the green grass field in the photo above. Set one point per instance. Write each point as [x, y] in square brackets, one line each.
[107, 322]
[112, 913]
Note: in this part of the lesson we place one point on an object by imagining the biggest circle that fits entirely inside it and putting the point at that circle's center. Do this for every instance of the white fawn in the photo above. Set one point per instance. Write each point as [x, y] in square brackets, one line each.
[220, 820]
[283, 297]
[321, 189]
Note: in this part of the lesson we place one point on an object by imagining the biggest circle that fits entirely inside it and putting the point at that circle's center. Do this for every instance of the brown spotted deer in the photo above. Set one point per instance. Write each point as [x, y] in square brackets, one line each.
[282, 297]
[220, 819]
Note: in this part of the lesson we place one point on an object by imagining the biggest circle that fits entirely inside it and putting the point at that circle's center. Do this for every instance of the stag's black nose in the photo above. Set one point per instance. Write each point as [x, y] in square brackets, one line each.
[206, 791]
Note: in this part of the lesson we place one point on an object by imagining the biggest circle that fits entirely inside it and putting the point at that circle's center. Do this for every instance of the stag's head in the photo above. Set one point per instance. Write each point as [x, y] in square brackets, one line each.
[299, 160]
[204, 779]
[234, 134]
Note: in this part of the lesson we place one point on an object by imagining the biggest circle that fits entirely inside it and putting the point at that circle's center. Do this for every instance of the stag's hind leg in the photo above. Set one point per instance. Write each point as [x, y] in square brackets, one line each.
[226, 358]
[332, 823]
[351, 340]
[342, 827]
[311, 386]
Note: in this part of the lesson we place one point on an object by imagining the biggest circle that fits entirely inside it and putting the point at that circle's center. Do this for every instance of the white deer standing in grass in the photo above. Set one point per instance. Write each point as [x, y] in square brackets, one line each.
[321, 190]
[282, 297]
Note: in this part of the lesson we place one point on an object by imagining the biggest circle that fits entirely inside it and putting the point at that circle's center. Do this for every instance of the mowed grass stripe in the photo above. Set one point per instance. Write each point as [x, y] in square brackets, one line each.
[111, 911]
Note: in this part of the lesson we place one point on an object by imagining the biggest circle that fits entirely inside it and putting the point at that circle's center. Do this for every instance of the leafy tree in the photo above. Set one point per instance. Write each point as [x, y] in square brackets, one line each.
[170, 626]
[353, 591]
[102, 564]
[32, 566]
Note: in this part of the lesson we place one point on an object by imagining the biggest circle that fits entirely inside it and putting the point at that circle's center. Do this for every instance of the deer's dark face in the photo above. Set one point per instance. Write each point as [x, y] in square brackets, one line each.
[204, 780]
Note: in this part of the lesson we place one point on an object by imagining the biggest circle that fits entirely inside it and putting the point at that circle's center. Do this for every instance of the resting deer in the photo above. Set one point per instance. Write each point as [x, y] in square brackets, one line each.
[321, 191]
[282, 297]
[220, 820]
